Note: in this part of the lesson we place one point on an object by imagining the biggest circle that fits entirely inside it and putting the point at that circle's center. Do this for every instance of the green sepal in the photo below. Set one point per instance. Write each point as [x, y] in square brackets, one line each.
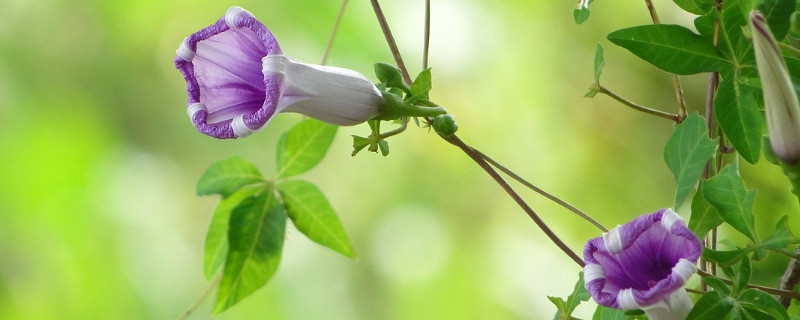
[395, 108]
[390, 76]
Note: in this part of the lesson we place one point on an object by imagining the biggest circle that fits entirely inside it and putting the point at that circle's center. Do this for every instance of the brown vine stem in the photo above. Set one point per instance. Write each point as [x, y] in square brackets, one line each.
[667, 115]
[387, 33]
[473, 154]
[427, 40]
[541, 191]
[200, 300]
[777, 292]
[676, 81]
[333, 32]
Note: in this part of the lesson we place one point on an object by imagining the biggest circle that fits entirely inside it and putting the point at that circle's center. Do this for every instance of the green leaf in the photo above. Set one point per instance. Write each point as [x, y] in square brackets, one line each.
[705, 24]
[359, 143]
[781, 238]
[565, 308]
[226, 176]
[727, 193]
[390, 76]
[724, 258]
[280, 148]
[778, 14]
[737, 114]
[580, 15]
[756, 300]
[693, 6]
[686, 153]
[313, 216]
[718, 285]
[712, 305]
[216, 245]
[599, 63]
[306, 145]
[256, 234]
[733, 45]
[743, 274]
[421, 85]
[604, 313]
[704, 216]
[671, 48]
[383, 145]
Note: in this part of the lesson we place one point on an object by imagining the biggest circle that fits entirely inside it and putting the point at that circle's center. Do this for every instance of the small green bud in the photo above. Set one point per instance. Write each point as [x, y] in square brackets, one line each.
[794, 28]
[445, 125]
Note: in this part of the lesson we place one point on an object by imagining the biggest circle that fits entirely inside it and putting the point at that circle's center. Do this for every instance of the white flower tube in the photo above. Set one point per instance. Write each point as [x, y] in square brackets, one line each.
[334, 95]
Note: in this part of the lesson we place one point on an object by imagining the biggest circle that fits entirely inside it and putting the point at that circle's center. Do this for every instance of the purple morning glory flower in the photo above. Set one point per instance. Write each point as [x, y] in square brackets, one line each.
[237, 79]
[644, 264]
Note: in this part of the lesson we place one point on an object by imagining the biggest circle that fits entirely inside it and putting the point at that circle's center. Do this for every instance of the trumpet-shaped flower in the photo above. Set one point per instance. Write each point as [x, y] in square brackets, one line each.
[237, 79]
[644, 264]
[780, 100]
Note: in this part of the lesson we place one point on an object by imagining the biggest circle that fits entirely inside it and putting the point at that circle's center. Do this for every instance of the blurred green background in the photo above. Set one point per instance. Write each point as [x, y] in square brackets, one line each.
[98, 161]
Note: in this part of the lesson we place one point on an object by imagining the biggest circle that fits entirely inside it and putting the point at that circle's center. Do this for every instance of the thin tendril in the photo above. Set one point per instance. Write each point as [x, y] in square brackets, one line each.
[333, 32]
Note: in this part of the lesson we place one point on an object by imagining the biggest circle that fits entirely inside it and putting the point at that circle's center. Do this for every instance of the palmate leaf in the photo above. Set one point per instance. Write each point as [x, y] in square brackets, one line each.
[565, 308]
[727, 193]
[671, 48]
[226, 176]
[704, 216]
[762, 304]
[686, 153]
[216, 245]
[313, 216]
[604, 313]
[304, 147]
[778, 14]
[737, 112]
[256, 234]
[712, 305]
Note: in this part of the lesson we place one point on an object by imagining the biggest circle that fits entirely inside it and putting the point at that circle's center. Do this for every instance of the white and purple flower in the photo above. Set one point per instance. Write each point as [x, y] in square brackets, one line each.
[644, 264]
[237, 79]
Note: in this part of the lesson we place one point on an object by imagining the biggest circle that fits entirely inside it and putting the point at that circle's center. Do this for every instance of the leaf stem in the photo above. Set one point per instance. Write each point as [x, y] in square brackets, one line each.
[427, 40]
[475, 156]
[333, 32]
[541, 192]
[403, 126]
[635, 106]
[789, 48]
[387, 33]
[777, 292]
[202, 298]
[676, 81]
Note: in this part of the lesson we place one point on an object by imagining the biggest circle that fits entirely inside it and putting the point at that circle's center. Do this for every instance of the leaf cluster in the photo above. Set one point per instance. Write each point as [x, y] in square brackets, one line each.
[246, 234]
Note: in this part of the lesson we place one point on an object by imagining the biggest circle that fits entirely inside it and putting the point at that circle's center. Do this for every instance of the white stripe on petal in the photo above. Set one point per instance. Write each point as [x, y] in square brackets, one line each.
[593, 272]
[613, 240]
[232, 13]
[669, 218]
[684, 269]
[240, 128]
[626, 300]
[184, 52]
[195, 108]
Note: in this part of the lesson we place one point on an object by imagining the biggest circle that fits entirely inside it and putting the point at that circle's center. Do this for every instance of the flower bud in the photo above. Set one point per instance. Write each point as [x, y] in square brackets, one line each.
[780, 100]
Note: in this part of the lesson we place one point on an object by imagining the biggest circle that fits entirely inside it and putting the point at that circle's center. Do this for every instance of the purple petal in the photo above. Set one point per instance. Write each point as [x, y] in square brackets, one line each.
[643, 261]
[229, 96]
